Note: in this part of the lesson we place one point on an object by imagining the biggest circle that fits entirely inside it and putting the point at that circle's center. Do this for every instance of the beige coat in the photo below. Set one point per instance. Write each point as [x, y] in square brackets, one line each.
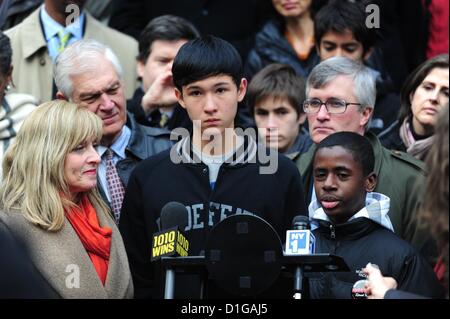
[58, 257]
[33, 67]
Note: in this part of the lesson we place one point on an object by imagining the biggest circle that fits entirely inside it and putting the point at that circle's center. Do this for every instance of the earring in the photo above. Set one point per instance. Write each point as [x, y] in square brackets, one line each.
[8, 87]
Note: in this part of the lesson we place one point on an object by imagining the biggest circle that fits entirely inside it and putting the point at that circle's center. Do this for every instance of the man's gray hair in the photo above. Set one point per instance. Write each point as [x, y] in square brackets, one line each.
[363, 79]
[78, 58]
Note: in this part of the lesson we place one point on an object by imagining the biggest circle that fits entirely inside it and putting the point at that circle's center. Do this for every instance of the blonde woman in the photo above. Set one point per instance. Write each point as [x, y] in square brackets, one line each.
[50, 201]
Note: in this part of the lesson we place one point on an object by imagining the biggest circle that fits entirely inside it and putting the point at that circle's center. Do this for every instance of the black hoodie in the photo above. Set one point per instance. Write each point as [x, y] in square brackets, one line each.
[240, 188]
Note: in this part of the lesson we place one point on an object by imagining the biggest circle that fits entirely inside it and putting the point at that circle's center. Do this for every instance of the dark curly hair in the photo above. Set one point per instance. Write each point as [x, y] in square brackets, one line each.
[5, 54]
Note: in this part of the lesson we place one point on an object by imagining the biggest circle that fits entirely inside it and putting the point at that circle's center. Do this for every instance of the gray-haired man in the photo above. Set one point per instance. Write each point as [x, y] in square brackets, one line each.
[89, 73]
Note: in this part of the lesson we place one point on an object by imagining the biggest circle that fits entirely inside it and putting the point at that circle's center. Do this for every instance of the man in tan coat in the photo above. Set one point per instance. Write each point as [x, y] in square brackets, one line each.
[35, 44]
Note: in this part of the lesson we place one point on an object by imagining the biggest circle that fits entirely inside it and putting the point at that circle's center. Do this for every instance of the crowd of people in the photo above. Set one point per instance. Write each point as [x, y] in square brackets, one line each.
[298, 107]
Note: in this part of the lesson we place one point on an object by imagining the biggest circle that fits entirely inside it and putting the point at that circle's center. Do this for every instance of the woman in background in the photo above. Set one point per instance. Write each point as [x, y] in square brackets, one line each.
[287, 39]
[424, 94]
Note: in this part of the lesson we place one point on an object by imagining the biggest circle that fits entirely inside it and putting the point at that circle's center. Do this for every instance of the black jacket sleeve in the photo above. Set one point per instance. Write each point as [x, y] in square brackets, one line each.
[128, 16]
[295, 198]
[19, 279]
[400, 294]
[137, 241]
[417, 277]
[134, 106]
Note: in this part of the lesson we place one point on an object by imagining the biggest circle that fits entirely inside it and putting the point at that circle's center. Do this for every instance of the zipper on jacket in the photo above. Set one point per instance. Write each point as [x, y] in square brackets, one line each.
[332, 232]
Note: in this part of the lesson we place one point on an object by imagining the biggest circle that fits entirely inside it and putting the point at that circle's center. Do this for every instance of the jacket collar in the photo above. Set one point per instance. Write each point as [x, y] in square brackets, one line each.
[139, 135]
[376, 209]
[32, 41]
[377, 150]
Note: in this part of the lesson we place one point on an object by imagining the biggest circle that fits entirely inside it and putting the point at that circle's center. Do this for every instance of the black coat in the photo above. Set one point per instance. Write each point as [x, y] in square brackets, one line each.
[403, 37]
[19, 278]
[236, 21]
[272, 47]
[390, 138]
[387, 104]
[361, 241]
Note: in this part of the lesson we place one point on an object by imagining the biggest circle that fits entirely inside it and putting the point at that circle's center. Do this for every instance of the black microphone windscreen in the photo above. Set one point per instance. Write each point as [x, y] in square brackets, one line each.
[302, 221]
[174, 214]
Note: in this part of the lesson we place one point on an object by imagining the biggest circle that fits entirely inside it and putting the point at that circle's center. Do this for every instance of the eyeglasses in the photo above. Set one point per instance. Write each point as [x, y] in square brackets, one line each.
[333, 106]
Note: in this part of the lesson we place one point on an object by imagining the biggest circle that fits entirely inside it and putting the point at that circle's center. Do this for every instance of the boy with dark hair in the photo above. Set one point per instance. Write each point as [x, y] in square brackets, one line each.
[154, 103]
[353, 223]
[275, 97]
[340, 30]
[215, 172]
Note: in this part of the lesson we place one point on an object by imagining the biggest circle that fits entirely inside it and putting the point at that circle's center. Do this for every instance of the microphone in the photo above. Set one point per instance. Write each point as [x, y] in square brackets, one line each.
[170, 240]
[299, 241]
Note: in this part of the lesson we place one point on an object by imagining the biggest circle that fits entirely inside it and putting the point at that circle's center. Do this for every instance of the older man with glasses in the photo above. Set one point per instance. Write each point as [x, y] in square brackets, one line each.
[341, 97]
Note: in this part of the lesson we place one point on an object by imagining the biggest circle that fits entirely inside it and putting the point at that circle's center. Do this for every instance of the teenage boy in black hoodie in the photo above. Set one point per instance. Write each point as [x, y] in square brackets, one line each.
[215, 172]
[353, 223]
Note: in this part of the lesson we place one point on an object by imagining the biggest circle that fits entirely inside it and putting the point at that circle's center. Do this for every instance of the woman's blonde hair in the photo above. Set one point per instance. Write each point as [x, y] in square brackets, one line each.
[33, 166]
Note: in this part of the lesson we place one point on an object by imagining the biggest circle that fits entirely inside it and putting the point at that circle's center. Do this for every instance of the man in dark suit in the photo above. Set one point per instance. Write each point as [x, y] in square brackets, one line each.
[154, 103]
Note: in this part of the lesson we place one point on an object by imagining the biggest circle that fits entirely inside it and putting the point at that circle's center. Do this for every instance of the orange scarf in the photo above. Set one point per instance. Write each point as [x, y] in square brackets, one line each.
[96, 240]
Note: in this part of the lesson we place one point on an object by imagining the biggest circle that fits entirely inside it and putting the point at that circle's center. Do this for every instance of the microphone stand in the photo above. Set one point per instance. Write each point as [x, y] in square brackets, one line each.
[189, 265]
[298, 282]
[170, 284]
[301, 264]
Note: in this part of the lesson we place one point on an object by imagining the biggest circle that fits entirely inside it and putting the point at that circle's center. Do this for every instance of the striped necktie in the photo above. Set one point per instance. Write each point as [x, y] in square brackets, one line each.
[115, 186]
[164, 119]
[64, 38]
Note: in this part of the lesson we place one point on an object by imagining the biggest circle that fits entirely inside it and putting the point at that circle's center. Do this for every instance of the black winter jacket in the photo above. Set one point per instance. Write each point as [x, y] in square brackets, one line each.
[387, 104]
[240, 188]
[235, 21]
[272, 47]
[390, 138]
[144, 142]
[361, 241]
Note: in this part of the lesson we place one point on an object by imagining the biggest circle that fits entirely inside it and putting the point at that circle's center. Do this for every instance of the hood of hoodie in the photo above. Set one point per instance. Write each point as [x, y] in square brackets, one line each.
[376, 210]
[246, 153]
[13, 110]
